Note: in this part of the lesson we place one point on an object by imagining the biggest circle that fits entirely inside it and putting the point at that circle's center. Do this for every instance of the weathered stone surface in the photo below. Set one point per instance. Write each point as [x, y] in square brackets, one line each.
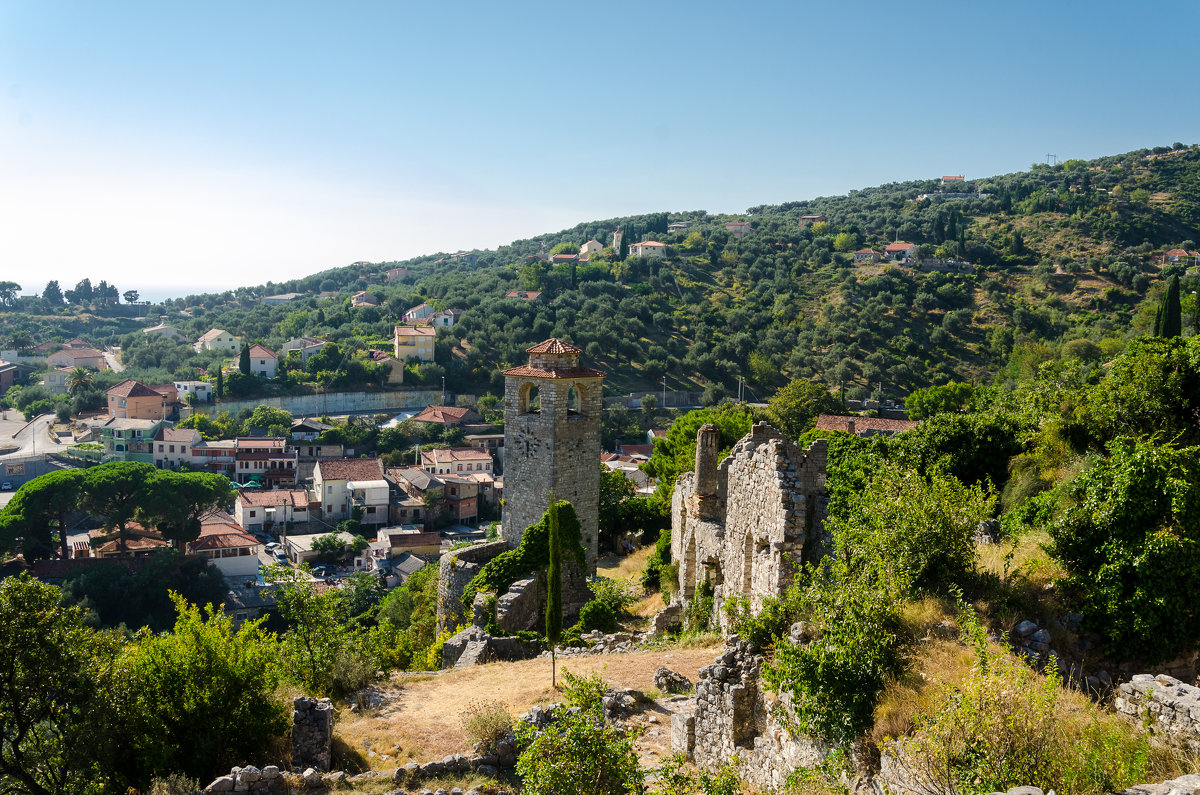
[746, 524]
[455, 570]
[669, 681]
[221, 784]
[1173, 706]
[312, 732]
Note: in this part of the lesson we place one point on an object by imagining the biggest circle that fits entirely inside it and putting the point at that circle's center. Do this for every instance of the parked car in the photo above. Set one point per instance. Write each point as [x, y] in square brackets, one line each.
[6, 486]
[281, 557]
[273, 545]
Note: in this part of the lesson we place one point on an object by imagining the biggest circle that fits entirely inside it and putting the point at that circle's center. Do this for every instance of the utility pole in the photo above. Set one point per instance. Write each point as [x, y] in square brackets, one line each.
[443, 390]
[1049, 158]
[664, 400]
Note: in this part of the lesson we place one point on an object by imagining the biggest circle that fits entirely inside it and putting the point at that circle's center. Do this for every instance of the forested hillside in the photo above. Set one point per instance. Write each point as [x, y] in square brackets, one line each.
[1057, 253]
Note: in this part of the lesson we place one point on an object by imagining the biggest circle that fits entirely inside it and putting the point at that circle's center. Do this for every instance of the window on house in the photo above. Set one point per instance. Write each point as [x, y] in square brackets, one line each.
[172, 448]
[253, 514]
[370, 509]
[160, 448]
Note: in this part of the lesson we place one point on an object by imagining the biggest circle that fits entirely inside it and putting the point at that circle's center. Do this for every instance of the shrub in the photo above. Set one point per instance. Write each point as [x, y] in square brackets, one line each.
[174, 784]
[652, 574]
[578, 753]
[673, 779]
[585, 692]
[486, 723]
[597, 615]
[700, 609]
[617, 595]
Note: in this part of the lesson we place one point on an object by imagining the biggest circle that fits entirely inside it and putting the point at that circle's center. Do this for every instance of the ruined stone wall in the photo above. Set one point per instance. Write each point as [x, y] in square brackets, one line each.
[520, 608]
[552, 450]
[733, 718]
[312, 733]
[763, 514]
[1172, 706]
[455, 570]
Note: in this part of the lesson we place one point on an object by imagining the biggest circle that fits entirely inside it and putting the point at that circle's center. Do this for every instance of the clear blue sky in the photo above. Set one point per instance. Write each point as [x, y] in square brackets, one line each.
[217, 144]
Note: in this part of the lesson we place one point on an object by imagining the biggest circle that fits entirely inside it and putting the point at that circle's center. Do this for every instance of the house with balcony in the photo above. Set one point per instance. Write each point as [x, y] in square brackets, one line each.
[343, 484]
[216, 456]
[57, 382]
[268, 461]
[78, 357]
[126, 439]
[202, 390]
[173, 447]
[256, 509]
[415, 342]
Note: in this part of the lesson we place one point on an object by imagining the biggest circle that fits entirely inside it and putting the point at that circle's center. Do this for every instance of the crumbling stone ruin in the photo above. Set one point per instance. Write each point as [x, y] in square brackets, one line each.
[1170, 706]
[744, 525]
[455, 570]
[312, 733]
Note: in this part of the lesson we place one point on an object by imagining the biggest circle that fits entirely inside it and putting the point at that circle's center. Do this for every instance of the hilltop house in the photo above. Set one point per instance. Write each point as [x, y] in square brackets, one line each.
[447, 317]
[647, 248]
[589, 248]
[133, 400]
[263, 361]
[162, 330]
[525, 295]
[867, 255]
[282, 298]
[78, 357]
[415, 342]
[738, 228]
[305, 346]
[899, 250]
[953, 179]
[679, 226]
[218, 340]
[399, 273]
[809, 220]
[418, 313]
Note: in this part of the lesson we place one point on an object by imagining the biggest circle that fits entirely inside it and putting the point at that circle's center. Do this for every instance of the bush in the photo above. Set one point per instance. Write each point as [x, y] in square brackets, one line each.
[673, 779]
[597, 615]
[174, 784]
[652, 574]
[486, 723]
[578, 753]
[585, 692]
[617, 595]
[700, 609]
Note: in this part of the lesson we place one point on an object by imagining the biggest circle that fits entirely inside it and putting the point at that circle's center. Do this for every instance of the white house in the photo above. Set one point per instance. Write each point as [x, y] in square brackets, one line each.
[306, 346]
[589, 248]
[228, 547]
[332, 487]
[218, 340]
[173, 447]
[299, 549]
[647, 248]
[266, 509]
[163, 330]
[447, 317]
[418, 313]
[263, 361]
[201, 389]
[58, 382]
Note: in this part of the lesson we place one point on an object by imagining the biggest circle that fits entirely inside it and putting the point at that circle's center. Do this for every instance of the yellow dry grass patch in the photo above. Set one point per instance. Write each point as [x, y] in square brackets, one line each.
[421, 720]
[627, 567]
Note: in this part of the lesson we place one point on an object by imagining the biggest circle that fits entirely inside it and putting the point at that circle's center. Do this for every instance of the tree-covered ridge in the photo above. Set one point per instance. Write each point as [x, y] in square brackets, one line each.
[1061, 253]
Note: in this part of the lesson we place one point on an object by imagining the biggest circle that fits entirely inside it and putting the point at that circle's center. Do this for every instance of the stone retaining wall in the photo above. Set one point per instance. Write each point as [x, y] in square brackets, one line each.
[1170, 706]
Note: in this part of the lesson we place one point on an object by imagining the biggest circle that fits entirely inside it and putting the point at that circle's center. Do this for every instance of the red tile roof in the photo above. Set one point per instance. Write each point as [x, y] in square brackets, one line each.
[211, 334]
[637, 449]
[554, 345]
[260, 352]
[899, 245]
[447, 415]
[350, 469]
[130, 388]
[297, 498]
[528, 295]
[449, 455]
[525, 371]
[415, 331]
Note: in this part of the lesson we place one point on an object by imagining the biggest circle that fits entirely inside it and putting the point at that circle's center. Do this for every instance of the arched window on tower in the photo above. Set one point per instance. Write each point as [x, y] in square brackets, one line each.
[574, 401]
[529, 399]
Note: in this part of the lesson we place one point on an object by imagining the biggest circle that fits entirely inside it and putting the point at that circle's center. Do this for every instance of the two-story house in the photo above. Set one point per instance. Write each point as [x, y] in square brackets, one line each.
[173, 447]
[57, 382]
[201, 389]
[456, 460]
[128, 440]
[263, 361]
[414, 342]
[227, 546]
[418, 313]
[303, 346]
[342, 484]
[217, 456]
[647, 248]
[78, 357]
[218, 340]
[134, 400]
[265, 460]
[256, 509]
[462, 497]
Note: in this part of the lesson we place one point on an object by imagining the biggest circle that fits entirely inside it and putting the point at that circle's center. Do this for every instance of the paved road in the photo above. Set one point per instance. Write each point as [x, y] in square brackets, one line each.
[111, 355]
[33, 439]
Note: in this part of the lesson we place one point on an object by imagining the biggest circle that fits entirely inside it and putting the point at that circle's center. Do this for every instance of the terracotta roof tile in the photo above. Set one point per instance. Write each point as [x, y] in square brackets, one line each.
[261, 352]
[350, 469]
[831, 422]
[442, 414]
[525, 371]
[130, 388]
[554, 345]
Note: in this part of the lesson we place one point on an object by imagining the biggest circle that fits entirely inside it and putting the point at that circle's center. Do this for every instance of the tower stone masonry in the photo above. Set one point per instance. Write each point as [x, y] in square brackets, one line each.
[552, 412]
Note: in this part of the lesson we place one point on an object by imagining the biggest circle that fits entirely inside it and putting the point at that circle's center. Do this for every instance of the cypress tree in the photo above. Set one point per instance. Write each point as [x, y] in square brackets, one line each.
[244, 359]
[220, 381]
[553, 589]
[1172, 315]
[1158, 321]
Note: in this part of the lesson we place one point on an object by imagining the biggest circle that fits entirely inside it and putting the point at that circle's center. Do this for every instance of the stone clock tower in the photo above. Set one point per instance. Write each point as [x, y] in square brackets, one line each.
[552, 441]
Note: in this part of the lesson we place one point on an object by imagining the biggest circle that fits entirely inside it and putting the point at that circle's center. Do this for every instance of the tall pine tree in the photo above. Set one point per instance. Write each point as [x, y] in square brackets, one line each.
[1172, 314]
[244, 359]
[553, 590]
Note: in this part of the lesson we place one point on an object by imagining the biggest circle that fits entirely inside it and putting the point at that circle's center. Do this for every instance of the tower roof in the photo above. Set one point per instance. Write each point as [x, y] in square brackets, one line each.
[554, 345]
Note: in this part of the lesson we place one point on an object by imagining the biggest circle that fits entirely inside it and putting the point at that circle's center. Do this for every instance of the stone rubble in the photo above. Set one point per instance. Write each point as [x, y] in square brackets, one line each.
[668, 681]
[312, 733]
[1172, 707]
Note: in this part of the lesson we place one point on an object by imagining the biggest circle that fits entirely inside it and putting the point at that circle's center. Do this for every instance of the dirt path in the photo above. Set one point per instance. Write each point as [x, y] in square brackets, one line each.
[420, 718]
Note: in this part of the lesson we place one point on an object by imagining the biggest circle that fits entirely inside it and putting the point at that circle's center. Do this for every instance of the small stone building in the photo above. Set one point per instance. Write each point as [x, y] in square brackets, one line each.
[745, 524]
[552, 441]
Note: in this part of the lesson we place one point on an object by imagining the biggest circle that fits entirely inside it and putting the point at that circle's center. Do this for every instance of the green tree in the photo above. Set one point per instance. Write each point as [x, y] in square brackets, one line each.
[268, 417]
[794, 408]
[42, 504]
[115, 491]
[8, 292]
[1130, 541]
[1153, 388]
[846, 241]
[52, 694]
[131, 296]
[244, 359]
[615, 488]
[951, 397]
[78, 381]
[175, 501]
[53, 293]
[219, 391]
[1171, 322]
[201, 698]
[676, 454]
[553, 589]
